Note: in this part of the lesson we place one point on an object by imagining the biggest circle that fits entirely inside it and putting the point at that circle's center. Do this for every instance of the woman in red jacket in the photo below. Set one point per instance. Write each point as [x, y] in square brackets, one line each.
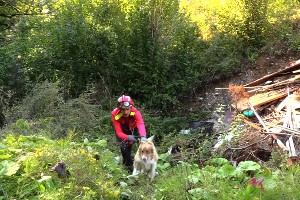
[129, 124]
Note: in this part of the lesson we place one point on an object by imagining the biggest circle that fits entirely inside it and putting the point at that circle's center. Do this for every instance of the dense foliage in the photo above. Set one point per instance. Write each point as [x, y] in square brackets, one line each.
[47, 130]
[64, 62]
[157, 51]
[95, 173]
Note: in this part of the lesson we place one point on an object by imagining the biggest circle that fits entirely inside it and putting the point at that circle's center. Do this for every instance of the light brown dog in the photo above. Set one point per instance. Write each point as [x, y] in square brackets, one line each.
[145, 159]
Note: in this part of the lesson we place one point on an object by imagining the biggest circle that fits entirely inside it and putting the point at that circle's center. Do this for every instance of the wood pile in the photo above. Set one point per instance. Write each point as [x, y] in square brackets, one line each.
[273, 102]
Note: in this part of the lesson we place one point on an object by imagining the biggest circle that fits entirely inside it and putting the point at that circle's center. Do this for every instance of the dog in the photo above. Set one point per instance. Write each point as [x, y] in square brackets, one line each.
[145, 159]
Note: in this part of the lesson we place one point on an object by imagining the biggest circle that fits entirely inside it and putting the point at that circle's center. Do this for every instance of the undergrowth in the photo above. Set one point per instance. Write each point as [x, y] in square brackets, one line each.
[81, 136]
[26, 162]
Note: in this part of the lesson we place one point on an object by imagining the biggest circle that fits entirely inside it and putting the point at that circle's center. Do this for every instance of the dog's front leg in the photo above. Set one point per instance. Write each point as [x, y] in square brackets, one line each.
[136, 168]
[135, 171]
[151, 173]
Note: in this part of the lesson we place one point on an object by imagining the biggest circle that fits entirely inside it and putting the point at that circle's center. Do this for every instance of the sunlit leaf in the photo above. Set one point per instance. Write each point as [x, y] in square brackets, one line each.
[199, 193]
[10, 139]
[86, 141]
[44, 178]
[8, 168]
[46, 182]
[15, 150]
[102, 143]
[22, 158]
[5, 156]
[270, 183]
[89, 148]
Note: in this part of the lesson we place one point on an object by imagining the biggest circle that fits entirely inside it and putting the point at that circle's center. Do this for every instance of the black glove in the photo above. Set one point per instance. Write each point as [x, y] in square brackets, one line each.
[131, 138]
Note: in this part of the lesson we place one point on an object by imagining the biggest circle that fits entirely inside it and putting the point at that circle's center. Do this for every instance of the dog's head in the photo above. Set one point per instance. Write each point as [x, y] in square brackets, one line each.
[146, 151]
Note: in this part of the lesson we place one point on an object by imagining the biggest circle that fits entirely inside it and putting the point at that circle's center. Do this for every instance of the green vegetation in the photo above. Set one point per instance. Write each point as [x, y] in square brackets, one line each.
[36, 141]
[63, 63]
[26, 160]
[157, 51]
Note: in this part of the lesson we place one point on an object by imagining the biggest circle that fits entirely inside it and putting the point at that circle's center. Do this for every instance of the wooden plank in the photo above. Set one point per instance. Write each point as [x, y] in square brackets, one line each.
[251, 124]
[263, 98]
[281, 83]
[283, 103]
[280, 144]
[293, 67]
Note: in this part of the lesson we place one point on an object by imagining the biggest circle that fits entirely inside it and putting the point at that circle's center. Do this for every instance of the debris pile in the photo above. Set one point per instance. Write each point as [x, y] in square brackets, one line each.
[271, 110]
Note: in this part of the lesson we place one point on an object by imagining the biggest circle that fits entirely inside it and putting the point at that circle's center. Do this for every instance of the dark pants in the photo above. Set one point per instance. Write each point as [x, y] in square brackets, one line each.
[126, 147]
[126, 153]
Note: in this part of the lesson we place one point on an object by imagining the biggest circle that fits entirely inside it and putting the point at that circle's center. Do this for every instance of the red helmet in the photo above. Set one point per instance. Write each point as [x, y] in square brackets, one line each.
[125, 101]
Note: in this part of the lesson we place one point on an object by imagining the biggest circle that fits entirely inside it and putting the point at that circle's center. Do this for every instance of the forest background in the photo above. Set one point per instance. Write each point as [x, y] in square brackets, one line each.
[64, 63]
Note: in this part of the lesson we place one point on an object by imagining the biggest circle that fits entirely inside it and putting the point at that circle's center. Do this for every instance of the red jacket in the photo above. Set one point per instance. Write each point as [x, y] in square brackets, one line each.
[134, 120]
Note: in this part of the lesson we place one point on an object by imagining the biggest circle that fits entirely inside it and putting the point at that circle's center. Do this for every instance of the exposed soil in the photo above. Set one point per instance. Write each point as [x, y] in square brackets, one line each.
[211, 96]
[252, 145]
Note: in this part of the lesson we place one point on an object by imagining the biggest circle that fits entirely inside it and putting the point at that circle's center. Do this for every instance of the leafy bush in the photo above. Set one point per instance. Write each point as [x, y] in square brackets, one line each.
[95, 173]
[26, 174]
[46, 107]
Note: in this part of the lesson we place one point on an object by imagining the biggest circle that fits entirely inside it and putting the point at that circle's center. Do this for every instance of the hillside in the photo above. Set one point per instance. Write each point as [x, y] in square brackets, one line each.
[93, 169]
[265, 64]
[217, 99]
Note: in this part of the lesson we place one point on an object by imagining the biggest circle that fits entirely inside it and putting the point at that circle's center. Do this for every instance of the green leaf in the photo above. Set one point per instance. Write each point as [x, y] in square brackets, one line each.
[86, 141]
[102, 143]
[219, 161]
[199, 193]
[163, 166]
[4, 156]
[249, 166]
[44, 178]
[270, 183]
[227, 171]
[8, 168]
[163, 156]
[89, 149]
[46, 182]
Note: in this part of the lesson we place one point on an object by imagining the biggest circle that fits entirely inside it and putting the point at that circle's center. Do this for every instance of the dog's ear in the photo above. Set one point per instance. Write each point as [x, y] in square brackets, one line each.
[150, 139]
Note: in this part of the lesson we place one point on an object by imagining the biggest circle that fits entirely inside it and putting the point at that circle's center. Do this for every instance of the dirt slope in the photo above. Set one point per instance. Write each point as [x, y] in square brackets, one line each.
[215, 97]
[211, 96]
